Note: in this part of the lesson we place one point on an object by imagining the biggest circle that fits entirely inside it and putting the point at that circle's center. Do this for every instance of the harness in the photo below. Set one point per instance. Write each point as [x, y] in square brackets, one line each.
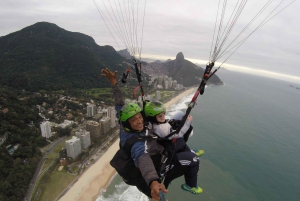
[131, 175]
[124, 164]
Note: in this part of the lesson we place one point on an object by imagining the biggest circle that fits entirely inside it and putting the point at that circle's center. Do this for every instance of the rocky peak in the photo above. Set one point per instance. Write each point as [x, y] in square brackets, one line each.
[179, 56]
[124, 53]
[179, 61]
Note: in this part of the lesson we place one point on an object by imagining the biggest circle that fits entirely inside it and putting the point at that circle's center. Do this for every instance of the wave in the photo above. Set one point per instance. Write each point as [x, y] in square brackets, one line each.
[124, 192]
[179, 106]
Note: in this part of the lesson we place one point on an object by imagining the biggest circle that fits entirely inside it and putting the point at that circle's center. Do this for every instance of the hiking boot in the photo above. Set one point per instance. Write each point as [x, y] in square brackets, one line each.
[199, 152]
[194, 190]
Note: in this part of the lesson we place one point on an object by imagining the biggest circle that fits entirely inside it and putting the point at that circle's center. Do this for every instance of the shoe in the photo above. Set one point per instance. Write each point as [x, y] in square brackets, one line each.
[195, 190]
[199, 152]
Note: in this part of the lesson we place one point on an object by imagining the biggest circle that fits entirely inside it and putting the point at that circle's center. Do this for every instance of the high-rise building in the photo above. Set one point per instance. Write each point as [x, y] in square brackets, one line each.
[160, 80]
[140, 102]
[112, 116]
[84, 137]
[104, 112]
[157, 97]
[91, 110]
[99, 109]
[148, 97]
[73, 147]
[175, 84]
[102, 104]
[97, 117]
[94, 128]
[179, 86]
[166, 84]
[66, 124]
[105, 125]
[46, 129]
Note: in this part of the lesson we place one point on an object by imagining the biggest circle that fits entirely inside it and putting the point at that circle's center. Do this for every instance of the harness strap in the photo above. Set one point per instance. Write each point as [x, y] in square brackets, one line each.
[129, 142]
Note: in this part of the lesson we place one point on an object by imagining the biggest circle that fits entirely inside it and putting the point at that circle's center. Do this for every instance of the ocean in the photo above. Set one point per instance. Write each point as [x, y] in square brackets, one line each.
[249, 129]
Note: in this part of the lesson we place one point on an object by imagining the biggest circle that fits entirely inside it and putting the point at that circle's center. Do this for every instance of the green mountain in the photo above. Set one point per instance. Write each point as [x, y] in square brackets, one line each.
[45, 56]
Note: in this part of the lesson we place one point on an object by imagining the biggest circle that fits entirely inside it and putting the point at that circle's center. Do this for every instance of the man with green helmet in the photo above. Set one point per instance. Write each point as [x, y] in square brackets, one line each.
[131, 117]
[145, 152]
[132, 124]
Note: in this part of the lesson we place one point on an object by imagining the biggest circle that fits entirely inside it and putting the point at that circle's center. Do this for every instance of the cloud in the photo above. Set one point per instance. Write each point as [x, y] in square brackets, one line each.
[173, 26]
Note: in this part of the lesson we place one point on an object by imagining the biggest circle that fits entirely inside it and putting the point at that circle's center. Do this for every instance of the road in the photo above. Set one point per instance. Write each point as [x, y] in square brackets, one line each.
[49, 150]
[38, 169]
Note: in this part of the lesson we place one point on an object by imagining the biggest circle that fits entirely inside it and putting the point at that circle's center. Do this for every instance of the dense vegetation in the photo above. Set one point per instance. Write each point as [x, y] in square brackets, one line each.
[18, 126]
[45, 56]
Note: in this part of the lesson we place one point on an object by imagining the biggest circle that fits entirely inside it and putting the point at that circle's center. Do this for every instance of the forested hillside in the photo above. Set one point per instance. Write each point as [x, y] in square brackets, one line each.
[45, 56]
[19, 131]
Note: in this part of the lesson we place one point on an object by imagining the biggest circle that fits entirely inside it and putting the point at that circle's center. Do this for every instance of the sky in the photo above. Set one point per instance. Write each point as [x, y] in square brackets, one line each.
[172, 26]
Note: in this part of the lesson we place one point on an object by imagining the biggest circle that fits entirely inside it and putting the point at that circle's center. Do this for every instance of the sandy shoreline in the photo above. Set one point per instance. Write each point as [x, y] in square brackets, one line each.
[91, 183]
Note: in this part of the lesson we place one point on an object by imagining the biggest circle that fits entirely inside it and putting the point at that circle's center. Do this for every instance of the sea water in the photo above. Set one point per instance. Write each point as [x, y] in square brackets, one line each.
[249, 129]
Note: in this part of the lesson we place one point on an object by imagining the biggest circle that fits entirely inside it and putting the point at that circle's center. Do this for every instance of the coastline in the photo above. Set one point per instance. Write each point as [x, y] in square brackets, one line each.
[93, 181]
[179, 96]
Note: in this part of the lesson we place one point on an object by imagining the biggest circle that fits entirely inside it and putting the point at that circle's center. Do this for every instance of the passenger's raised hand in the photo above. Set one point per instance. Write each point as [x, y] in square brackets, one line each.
[111, 76]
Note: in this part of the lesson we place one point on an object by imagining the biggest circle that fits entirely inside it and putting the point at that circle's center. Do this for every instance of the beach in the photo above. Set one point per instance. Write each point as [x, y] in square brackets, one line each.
[94, 180]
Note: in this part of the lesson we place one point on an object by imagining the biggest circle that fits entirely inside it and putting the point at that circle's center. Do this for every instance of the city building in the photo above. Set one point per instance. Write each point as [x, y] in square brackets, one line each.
[140, 102]
[148, 97]
[112, 115]
[105, 125]
[73, 147]
[102, 104]
[166, 84]
[91, 110]
[11, 149]
[84, 137]
[99, 109]
[179, 87]
[63, 162]
[46, 129]
[157, 97]
[98, 116]
[129, 101]
[160, 80]
[170, 83]
[66, 123]
[94, 128]
[104, 112]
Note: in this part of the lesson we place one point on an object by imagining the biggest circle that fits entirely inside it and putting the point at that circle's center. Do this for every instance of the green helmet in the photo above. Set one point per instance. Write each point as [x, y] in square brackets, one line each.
[129, 110]
[154, 108]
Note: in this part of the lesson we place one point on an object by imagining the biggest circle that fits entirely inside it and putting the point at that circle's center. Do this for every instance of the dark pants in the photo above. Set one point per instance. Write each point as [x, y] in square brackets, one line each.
[191, 161]
[180, 145]
[188, 159]
[184, 162]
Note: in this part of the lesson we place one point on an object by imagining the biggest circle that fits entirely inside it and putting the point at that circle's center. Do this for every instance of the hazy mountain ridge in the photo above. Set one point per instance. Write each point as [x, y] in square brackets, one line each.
[180, 70]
